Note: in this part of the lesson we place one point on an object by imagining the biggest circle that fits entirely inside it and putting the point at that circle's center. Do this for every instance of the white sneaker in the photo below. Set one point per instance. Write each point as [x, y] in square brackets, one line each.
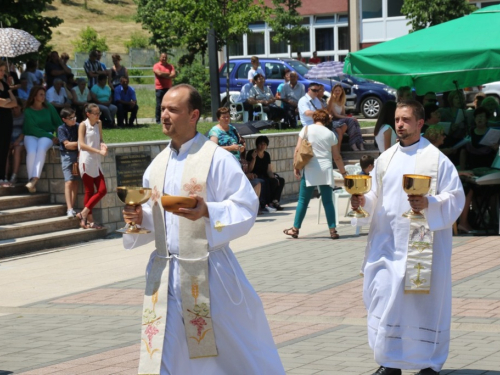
[71, 214]
[270, 209]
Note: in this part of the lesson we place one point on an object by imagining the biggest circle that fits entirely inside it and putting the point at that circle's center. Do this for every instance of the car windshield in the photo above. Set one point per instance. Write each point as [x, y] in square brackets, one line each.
[298, 66]
[223, 72]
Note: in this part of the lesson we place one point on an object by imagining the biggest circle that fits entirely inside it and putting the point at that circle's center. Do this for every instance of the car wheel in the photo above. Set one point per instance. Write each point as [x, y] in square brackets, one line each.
[370, 107]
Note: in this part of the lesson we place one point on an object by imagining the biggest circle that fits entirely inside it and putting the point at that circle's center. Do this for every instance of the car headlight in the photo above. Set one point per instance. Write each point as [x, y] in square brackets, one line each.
[390, 90]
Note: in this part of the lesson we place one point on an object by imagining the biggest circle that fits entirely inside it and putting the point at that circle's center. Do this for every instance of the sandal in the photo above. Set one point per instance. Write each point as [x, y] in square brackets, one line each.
[83, 220]
[294, 232]
[95, 225]
[333, 234]
[277, 205]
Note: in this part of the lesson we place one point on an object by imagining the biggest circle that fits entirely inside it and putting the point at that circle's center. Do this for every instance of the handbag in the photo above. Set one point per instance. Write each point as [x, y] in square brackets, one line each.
[304, 153]
[75, 170]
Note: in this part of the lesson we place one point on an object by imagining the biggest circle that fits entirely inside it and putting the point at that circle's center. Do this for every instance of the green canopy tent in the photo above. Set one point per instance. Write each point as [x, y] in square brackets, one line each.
[460, 53]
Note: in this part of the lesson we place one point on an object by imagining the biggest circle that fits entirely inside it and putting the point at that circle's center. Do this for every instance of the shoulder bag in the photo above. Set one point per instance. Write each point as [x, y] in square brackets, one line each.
[303, 154]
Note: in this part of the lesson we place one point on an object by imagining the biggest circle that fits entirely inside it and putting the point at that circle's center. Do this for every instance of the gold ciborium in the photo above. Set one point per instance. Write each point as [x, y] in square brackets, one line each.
[358, 185]
[416, 184]
[133, 196]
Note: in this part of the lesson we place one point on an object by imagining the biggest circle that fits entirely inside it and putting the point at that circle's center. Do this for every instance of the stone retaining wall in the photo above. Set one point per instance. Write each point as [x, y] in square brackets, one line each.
[108, 210]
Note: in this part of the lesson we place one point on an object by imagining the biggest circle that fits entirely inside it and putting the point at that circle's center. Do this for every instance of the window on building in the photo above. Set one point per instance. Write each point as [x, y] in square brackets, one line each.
[343, 37]
[343, 18]
[324, 19]
[394, 8]
[236, 47]
[305, 21]
[324, 39]
[302, 42]
[371, 9]
[342, 57]
[484, 4]
[280, 47]
[255, 42]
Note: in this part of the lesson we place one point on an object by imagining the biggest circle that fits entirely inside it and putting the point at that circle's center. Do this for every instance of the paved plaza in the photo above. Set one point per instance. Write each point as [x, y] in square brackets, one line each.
[78, 310]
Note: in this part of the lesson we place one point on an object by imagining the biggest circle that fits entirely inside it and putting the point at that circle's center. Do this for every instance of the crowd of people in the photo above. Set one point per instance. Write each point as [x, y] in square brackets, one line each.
[36, 125]
[108, 88]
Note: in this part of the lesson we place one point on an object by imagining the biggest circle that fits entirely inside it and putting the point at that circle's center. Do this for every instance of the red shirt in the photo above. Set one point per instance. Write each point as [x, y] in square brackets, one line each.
[314, 60]
[163, 83]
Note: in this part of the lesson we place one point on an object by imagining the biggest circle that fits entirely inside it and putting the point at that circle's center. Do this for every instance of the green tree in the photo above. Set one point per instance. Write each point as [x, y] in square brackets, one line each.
[88, 40]
[189, 21]
[137, 40]
[286, 22]
[27, 15]
[424, 13]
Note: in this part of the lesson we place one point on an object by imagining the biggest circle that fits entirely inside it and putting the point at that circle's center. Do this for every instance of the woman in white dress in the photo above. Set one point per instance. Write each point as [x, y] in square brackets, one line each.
[91, 148]
[385, 134]
[318, 172]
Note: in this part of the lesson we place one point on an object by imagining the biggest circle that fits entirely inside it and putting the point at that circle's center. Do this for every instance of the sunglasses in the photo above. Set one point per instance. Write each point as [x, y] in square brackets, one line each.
[315, 90]
[70, 118]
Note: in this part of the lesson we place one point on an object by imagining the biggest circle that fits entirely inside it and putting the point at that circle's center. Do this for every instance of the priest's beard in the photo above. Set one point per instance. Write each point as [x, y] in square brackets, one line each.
[408, 138]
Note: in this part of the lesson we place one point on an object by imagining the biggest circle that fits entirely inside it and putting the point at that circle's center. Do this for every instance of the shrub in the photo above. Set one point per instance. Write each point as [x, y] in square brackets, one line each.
[88, 40]
[196, 75]
[137, 40]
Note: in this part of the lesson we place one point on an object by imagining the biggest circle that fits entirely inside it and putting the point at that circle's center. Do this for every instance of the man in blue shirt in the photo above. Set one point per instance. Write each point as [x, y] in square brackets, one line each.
[125, 101]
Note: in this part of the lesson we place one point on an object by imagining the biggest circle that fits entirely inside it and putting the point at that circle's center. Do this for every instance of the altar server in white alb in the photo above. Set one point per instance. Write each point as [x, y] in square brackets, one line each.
[215, 322]
[407, 266]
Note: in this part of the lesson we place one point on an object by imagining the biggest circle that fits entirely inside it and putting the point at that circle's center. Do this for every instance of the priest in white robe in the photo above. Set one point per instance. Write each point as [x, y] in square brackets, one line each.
[242, 334]
[408, 331]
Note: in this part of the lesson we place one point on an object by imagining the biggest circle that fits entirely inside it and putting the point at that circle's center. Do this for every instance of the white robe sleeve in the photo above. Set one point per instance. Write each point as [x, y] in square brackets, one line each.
[131, 241]
[232, 202]
[445, 207]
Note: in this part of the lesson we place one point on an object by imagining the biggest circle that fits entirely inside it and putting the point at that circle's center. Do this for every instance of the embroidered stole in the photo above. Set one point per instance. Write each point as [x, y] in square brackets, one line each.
[420, 241]
[193, 262]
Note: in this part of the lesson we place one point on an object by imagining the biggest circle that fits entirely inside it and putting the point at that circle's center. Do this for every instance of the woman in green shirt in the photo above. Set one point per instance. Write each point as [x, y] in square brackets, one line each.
[40, 122]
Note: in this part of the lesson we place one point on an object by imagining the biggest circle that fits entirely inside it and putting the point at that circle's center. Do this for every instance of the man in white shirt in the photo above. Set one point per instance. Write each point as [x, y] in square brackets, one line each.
[227, 212]
[256, 69]
[243, 99]
[58, 96]
[409, 317]
[290, 95]
[308, 104]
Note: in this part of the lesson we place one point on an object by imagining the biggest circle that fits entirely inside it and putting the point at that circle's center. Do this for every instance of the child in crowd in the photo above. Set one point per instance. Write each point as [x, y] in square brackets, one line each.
[68, 146]
[367, 163]
[92, 147]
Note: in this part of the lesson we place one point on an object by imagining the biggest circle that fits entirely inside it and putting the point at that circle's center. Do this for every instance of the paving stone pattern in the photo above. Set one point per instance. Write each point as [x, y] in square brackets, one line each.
[311, 290]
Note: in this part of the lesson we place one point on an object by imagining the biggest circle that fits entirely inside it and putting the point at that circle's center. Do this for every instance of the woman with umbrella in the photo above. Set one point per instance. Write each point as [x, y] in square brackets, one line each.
[7, 101]
[336, 108]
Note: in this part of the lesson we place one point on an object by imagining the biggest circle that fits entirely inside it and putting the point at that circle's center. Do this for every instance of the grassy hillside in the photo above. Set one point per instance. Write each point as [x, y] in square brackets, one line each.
[113, 19]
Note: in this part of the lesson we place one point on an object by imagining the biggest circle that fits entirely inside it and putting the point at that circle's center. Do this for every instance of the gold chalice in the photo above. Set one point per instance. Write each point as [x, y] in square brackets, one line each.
[133, 196]
[358, 185]
[416, 184]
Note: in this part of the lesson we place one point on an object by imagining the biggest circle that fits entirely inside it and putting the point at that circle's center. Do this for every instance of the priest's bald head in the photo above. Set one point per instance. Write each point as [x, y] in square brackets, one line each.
[409, 119]
[180, 111]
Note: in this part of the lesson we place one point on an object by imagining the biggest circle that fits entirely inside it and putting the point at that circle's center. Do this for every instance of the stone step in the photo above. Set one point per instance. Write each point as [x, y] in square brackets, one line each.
[18, 189]
[23, 214]
[39, 242]
[15, 201]
[34, 227]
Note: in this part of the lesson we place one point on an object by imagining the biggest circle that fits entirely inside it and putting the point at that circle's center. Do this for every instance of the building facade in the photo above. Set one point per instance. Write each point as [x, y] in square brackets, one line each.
[334, 28]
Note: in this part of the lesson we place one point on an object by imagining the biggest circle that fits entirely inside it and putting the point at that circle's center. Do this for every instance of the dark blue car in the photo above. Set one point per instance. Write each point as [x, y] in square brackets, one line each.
[370, 95]
[274, 69]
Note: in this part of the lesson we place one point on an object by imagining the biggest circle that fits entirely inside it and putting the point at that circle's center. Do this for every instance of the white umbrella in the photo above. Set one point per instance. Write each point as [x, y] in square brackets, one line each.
[14, 42]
